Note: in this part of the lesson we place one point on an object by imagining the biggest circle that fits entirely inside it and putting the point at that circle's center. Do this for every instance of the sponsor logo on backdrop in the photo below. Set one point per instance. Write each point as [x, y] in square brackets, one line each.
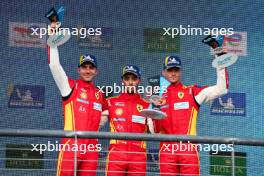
[153, 160]
[155, 41]
[231, 104]
[154, 82]
[26, 96]
[103, 41]
[221, 163]
[20, 35]
[235, 43]
[158, 84]
[22, 157]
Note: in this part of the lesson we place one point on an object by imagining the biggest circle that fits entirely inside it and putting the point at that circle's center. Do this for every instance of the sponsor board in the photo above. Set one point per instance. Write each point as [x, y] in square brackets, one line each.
[26, 96]
[231, 104]
[221, 163]
[20, 35]
[22, 157]
[103, 41]
[155, 41]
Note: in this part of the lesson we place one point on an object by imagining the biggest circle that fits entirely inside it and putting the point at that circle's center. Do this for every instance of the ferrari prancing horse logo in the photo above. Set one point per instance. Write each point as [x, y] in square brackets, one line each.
[139, 107]
[180, 95]
[96, 95]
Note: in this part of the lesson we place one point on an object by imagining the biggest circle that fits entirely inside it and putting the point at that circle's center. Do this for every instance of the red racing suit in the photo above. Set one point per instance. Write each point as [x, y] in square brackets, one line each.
[82, 111]
[126, 157]
[181, 104]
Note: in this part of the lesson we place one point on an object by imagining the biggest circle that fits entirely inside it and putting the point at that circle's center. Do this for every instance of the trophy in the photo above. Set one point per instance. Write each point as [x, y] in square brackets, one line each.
[58, 36]
[154, 113]
[222, 59]
[156, 100]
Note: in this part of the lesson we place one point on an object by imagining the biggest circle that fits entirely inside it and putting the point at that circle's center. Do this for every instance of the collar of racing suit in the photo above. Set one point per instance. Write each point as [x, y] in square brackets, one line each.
[85, 84]
[175, 85]
[130, 96]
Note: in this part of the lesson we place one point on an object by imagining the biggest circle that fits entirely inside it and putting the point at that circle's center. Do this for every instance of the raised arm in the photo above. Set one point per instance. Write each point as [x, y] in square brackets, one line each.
[58, 73]
[204, 95]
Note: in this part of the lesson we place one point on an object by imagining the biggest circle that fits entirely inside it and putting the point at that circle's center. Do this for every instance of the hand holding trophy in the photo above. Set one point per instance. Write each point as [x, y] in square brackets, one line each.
[155, 112]
[222, 58]
[57, 36]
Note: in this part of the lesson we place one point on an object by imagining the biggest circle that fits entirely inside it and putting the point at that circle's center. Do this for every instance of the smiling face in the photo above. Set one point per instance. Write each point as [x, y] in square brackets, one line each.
[130, 82]
[87, 72]
[173, 74]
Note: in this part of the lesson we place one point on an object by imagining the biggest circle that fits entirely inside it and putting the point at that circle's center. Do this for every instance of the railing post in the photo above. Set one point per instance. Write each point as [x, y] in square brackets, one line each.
[75, 155]
[233, 160]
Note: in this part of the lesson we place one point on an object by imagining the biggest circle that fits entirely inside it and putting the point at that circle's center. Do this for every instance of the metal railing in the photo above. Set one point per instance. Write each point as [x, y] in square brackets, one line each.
[133, 136]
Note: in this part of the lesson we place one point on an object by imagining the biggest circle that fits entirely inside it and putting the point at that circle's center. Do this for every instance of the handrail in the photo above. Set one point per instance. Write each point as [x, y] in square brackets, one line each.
[130, 136]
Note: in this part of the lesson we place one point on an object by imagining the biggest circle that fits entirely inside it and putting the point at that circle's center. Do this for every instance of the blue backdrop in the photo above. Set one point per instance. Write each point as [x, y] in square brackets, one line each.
[28, 65]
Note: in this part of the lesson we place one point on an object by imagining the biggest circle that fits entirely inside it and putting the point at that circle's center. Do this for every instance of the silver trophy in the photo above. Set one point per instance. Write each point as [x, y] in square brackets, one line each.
[57, 35]
[222, 58]
[155, 112]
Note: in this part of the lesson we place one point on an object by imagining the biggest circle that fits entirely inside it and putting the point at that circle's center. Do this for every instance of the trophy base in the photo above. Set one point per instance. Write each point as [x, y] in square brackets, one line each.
[61, 37]
[224, 60]
[153, 114]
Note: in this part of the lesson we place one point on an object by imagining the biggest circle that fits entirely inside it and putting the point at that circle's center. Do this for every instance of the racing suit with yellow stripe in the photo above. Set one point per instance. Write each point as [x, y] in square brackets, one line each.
[181, 104]
[126, 157]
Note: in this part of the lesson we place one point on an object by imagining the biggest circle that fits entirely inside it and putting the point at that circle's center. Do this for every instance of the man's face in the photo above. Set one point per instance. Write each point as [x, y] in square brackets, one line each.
[87, 72]
[173, 75]
[130, 82]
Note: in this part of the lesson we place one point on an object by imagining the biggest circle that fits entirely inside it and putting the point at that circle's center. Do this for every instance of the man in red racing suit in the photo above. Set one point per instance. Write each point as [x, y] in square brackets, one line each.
[181, 104]
[127, 157]
[82, 105]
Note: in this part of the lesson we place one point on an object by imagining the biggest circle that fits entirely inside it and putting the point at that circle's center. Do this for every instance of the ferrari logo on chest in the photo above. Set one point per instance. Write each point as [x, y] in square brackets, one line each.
[180, 95]
[139, 107]
[96, 95]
